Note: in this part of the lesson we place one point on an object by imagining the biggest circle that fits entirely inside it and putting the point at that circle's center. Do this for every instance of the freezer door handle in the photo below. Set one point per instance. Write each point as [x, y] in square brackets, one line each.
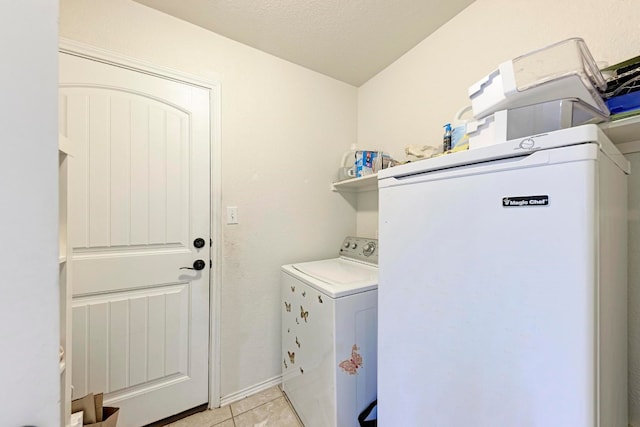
[537, 158]
[570, 153]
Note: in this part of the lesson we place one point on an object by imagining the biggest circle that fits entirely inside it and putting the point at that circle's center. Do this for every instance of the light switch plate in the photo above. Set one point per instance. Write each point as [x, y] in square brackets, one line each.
[232, 214]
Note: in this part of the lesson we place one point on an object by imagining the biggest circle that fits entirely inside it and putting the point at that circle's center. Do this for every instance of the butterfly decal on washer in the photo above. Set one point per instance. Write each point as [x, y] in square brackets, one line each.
[292, 357]
[351, 365]
[287, 307]
[304, 314]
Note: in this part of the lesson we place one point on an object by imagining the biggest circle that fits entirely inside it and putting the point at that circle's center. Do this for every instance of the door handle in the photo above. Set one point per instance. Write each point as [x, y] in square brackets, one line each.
[197, 265]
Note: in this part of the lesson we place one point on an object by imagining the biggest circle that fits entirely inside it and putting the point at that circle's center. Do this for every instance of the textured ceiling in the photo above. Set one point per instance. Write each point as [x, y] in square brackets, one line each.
[350, 40]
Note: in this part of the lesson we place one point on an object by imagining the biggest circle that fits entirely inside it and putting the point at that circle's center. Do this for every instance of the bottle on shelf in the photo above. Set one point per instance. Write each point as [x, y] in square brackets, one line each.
[446, 140]
[348, 164]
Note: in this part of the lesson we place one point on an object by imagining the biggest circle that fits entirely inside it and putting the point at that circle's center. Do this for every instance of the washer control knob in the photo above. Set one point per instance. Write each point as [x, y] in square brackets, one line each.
[354, 245]
[369, 249]
[346, 245]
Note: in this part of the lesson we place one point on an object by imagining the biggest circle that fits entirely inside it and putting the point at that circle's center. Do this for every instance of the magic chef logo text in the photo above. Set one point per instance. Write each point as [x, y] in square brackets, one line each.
[521, 201]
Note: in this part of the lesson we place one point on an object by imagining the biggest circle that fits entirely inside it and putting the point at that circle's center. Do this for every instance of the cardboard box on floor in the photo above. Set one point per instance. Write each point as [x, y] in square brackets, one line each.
[95, 415]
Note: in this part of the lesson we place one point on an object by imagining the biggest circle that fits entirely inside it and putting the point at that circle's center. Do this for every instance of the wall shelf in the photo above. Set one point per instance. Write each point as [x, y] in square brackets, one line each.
[357, 185]
[624, 133]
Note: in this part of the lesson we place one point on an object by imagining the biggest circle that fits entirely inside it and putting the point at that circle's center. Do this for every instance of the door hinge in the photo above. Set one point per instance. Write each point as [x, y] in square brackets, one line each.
[210, 264]
[210, 242]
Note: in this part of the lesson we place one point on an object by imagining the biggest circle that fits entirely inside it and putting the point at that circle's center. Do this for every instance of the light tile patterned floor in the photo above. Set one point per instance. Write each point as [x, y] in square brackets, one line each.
[269, 408]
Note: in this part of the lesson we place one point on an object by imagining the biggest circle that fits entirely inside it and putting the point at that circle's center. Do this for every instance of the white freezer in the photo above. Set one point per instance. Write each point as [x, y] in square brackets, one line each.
[502, 286]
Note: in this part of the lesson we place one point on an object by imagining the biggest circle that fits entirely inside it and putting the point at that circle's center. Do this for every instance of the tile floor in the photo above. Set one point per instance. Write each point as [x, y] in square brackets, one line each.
[269, 408]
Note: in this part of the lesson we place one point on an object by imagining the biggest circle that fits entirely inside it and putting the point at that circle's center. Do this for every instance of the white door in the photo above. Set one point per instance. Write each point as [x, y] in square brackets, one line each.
[139, 197]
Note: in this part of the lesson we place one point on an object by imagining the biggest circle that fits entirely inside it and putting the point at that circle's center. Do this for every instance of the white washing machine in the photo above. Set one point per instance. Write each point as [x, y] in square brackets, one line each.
[329, 335]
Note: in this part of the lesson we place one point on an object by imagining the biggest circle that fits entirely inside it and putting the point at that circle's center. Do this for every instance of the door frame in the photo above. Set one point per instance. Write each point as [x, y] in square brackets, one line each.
[212, 84]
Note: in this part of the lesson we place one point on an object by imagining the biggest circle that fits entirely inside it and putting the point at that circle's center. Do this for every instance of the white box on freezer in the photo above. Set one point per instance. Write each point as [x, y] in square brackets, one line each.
[505, 125]
[562, 70]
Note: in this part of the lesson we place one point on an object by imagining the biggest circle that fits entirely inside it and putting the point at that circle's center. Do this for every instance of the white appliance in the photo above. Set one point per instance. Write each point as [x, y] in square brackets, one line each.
[503, 283]
[329, 335]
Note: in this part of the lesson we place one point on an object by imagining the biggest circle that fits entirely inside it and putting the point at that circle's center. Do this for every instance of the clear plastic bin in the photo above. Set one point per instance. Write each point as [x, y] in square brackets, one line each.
[562, 70]
[505, 125]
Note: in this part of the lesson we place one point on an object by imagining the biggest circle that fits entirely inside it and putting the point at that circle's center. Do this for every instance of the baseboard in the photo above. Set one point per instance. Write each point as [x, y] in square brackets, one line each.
[256, 388]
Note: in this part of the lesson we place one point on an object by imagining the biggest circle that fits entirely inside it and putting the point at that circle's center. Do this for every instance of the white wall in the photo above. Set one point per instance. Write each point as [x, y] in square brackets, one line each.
[28, 218]
[410, 101]
[283, 132]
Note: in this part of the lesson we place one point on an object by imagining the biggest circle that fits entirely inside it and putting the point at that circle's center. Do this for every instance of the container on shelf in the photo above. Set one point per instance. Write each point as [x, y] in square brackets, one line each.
[562, 70]
[364, 162]
[446, 138]
[459, 128]
[347, 168]
[624, 103]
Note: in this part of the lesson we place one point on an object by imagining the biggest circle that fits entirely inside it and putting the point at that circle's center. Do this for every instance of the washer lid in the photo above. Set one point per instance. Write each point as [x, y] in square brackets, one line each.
[338, 277]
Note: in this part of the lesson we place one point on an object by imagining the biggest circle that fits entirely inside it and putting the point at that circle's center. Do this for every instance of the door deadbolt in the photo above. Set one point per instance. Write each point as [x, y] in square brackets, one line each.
[199, 243]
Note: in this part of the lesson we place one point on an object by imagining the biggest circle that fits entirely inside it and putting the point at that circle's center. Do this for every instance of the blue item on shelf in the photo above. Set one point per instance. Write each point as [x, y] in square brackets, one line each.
[624, 103]
[364, 162]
